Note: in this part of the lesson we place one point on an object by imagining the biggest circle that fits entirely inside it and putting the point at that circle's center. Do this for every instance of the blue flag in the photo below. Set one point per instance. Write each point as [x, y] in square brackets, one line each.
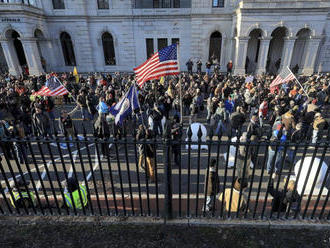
[125, 106]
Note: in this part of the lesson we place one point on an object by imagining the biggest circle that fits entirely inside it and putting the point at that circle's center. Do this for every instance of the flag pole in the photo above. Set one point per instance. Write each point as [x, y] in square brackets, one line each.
[180, 84]
[75, 108]
[298, 82]
[66, 89]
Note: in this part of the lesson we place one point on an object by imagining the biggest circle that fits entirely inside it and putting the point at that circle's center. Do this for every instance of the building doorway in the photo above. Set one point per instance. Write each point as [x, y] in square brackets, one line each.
[275, 50]
[19, 49]
[42, 47]
[215, 47]
[253, 51]
[299, 50]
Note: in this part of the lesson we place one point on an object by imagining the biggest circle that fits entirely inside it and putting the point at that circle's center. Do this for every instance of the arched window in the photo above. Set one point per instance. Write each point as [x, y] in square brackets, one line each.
[215, 47]
[67, 49]
[108, 49]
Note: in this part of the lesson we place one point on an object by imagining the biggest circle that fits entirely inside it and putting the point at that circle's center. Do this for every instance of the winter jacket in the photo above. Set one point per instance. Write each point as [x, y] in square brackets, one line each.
[237, 120]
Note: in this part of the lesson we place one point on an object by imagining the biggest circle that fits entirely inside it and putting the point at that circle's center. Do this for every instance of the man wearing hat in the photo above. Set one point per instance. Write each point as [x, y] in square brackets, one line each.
[235, 205]
[212, 182]
[66, 124]
[41, 122]
[220, 117]
[282, 198]
[318, 125]
[21, 197]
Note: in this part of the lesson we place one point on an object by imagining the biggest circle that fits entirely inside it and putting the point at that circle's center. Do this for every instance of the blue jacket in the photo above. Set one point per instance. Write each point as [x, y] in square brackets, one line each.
[102, 108]
[229, 105]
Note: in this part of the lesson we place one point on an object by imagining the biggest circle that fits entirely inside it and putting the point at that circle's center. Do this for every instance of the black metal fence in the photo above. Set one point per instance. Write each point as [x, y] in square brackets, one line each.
[116, 183]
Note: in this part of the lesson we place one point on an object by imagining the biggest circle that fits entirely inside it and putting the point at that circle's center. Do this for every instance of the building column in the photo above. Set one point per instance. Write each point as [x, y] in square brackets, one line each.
[240, 57]
[32, 56]
[287, 52]
[263, 54]
[311, 52]
[14, 67]
[223, 56]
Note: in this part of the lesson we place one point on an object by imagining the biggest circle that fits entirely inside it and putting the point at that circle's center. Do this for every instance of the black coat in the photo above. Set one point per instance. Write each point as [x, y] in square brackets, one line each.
[237, 120]
[284, 197]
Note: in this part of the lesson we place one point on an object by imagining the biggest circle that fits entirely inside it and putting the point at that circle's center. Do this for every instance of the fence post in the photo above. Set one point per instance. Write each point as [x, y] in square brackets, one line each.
[168, 172]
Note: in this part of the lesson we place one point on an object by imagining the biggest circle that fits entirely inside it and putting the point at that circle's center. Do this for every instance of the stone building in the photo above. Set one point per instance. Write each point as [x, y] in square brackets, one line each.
[117, 35]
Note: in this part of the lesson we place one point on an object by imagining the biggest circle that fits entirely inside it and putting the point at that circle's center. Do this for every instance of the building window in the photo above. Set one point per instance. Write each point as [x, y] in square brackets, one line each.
[27, 2]
[67, 49]
[166, 3]
[176, 3]
[218, 3]
[58, 4]
[150, 47]
[175, 41]
[156, 3]
[162, 43]
[108, 49]
[103, 4]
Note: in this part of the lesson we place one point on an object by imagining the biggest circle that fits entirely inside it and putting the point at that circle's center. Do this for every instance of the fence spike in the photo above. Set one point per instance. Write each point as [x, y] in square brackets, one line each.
[199, 133]
[189, 133]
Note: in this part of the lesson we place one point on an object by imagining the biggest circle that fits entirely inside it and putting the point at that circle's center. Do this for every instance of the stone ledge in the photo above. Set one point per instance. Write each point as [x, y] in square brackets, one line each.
[109, 220]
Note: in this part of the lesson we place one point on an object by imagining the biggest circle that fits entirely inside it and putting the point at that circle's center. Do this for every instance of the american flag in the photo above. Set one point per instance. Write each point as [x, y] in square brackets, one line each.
[285, 76]
[52, 87]
[162, 63]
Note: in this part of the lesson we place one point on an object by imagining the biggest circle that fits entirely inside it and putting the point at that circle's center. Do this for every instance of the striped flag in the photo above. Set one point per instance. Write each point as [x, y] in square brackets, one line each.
[162, 63]
[52, 87]
[285, 76]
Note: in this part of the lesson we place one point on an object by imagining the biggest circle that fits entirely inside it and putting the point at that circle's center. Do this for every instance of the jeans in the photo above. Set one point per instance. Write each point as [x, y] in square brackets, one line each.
[278, 160]
[316, 136]
[21, 152]
[261, 120]
[290, 152]
[209, 203]
[220, 128]
[84, 113]
[186, 110]
[176, 150]
[157, 128]
[51, 115]
[47, 133]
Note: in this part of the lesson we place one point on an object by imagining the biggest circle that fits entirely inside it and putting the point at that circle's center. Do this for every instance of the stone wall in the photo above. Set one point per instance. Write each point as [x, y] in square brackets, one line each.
[323, 61]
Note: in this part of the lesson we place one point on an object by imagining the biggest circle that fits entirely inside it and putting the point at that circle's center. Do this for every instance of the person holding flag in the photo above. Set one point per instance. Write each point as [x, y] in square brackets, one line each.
[285, 76]
[128, 103]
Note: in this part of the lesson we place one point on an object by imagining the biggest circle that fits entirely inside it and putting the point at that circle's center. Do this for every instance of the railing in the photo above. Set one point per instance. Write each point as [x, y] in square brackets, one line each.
[117, 186]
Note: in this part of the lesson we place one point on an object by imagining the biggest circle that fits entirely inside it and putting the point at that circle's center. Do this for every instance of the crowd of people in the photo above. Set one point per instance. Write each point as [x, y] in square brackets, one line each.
[231, 105]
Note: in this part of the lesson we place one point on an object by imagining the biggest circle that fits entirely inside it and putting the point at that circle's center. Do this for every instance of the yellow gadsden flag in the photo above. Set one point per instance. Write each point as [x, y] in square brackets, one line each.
[75, 73]
[162, 80]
